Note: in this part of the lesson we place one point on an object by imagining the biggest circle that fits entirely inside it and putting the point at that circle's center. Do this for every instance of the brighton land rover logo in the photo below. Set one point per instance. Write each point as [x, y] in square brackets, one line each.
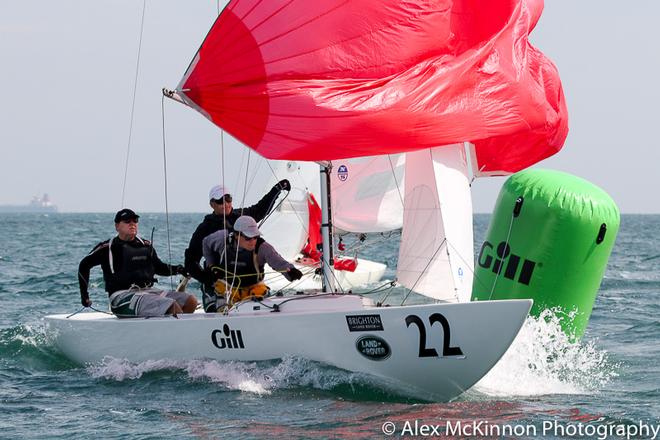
[227, 338]
[506, 262]
[373, 347]
[342, 172]
[364, 323]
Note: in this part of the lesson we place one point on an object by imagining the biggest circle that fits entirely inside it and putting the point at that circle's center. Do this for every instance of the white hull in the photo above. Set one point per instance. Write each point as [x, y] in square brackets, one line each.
[367, 272]
[377, 341]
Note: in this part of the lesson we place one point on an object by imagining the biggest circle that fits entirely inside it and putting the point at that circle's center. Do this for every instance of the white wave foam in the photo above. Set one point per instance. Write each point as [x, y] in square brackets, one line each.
[242, 376]
[249, 377]
[543, 360]
[121, 369]
[33, 335]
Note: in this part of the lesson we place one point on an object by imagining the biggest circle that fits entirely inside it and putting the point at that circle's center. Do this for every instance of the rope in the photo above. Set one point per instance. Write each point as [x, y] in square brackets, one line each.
[247, 169]
[387, 286]
[83, 308]
[278, 306]
[384, 298]
[130, 129]
[222, 170]
[292, 285]
[358, 244]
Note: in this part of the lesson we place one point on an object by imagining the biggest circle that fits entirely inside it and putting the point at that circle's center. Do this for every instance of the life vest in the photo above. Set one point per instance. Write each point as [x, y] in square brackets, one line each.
[258, 290]
[243, 268]
[136, 268]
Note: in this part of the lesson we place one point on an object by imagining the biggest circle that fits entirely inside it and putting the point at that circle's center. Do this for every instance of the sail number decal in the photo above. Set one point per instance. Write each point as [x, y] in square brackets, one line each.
[424, 351]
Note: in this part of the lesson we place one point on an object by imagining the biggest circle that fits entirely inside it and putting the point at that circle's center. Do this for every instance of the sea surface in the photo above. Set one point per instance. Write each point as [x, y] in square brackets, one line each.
[605, 386]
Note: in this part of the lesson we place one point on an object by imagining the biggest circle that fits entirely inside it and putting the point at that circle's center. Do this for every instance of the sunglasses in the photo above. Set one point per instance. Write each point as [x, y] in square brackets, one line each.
[248, 238]
[225, 198]
[130, 220]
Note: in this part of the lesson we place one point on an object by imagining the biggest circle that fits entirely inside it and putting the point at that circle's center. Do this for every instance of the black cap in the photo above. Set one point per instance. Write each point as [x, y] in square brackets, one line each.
[125, 214]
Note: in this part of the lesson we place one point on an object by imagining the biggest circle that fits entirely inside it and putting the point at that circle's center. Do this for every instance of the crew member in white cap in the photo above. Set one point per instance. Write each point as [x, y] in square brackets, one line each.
[223, 217]
[236, 259]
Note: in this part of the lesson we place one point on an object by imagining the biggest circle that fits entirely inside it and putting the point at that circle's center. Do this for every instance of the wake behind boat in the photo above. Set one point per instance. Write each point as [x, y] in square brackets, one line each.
[431, 352]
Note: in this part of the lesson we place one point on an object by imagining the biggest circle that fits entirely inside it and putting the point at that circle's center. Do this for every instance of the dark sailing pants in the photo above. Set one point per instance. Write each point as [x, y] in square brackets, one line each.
[210, 300]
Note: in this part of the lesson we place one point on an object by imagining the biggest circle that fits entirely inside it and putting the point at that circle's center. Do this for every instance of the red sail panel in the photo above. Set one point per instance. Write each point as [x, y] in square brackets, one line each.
[333, 79]
[313, 230]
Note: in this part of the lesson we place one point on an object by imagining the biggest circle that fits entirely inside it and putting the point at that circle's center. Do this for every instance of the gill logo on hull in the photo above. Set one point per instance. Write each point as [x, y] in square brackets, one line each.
[506, 263]
[227, 338]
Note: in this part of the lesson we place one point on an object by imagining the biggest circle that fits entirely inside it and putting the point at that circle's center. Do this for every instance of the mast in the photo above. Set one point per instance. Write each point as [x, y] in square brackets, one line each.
[327, 260]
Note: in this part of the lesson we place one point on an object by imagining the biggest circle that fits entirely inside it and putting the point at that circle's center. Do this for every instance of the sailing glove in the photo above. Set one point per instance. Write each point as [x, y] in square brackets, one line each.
[86, 302]
[293, 274]
[180, 270]
[283, 185]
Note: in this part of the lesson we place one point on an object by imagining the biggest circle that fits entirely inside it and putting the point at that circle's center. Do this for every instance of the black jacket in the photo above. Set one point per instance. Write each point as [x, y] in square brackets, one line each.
[112, 277]
[213, 223]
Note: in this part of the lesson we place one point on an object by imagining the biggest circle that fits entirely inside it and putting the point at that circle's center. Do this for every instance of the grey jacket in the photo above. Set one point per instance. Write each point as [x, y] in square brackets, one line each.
[214, 245]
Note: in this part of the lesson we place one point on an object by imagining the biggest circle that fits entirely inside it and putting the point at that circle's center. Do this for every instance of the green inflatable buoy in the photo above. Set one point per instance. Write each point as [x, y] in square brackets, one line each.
[549, 239]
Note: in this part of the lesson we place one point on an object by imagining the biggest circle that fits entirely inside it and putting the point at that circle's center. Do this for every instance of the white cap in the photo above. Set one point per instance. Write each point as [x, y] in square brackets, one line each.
[217, 192]
[247, 226]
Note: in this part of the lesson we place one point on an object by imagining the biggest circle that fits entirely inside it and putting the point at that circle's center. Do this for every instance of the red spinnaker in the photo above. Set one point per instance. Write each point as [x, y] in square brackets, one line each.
[326, 79]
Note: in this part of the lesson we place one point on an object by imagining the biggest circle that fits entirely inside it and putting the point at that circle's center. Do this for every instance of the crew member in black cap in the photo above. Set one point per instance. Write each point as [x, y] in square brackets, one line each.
[129, 264]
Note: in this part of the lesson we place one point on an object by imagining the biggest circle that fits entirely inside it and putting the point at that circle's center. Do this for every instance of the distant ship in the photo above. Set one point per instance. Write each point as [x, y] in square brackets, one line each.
[38, 204]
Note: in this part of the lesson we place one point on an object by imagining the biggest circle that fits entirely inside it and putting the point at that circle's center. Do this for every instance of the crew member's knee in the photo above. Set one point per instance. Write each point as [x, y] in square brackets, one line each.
[190, 304]
[174, 309]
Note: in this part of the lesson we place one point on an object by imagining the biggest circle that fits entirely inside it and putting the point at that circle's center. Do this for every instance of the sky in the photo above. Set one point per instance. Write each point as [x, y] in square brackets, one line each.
[68, 72]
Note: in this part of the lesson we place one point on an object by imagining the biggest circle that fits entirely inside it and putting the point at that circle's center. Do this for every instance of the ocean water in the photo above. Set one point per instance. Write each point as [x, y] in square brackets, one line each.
[605, 386]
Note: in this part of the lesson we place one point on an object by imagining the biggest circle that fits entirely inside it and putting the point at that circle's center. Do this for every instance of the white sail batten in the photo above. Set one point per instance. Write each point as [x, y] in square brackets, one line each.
[435, 257]
[368, 193]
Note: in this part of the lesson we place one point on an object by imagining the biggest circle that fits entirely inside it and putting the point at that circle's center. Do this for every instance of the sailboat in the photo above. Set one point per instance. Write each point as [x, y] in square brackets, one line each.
[456, 88]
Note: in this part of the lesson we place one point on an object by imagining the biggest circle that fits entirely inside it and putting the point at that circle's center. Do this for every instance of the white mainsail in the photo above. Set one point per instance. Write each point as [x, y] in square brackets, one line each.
[435, 257]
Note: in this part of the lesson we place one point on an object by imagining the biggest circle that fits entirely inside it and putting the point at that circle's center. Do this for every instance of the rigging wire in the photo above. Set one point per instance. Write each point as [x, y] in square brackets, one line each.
[396, 182]
[423, 271]
[508, 236]
[130, 129]
[167, 210]
[272, 209]
[247, 170]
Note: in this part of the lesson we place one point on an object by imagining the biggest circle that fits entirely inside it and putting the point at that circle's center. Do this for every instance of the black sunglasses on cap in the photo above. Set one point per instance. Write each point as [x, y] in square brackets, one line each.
[225, 198]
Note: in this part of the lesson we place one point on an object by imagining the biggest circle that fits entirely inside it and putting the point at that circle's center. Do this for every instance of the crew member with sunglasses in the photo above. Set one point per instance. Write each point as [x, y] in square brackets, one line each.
[236, 260]
[129, 264]
[223, 217]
